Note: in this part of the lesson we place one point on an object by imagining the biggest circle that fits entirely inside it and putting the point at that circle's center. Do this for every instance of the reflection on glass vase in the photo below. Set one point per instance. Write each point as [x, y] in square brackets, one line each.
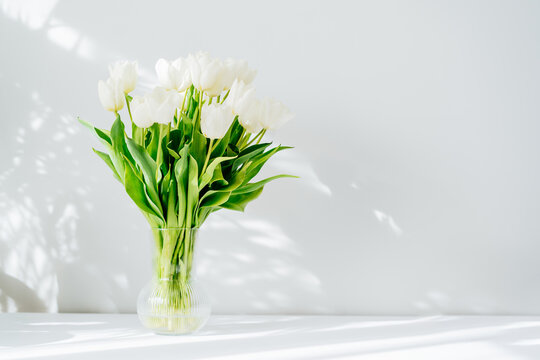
[173, 303]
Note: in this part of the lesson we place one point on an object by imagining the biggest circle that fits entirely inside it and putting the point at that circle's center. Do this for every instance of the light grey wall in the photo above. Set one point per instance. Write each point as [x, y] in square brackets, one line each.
[416, 141]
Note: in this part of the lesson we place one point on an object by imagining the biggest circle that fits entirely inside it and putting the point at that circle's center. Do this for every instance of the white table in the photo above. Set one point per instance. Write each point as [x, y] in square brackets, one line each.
[111, 336]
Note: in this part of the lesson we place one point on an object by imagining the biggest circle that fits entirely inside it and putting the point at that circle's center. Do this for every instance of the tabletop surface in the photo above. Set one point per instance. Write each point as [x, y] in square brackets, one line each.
[120, 336]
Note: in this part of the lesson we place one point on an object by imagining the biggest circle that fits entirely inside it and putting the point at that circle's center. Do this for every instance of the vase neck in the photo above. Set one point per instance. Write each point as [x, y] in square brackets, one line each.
[174, 253]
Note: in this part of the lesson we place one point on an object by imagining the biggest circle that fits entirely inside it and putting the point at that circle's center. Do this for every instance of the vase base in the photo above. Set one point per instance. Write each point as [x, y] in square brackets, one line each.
[173, 325]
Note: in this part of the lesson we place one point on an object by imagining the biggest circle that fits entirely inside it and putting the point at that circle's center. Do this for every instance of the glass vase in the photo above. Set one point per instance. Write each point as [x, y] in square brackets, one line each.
[173, 302]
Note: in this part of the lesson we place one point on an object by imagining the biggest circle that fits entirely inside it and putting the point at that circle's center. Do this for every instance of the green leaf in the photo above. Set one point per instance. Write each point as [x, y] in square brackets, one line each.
[164, 183]
[145, 162]
[197, 149]
[173, 146]
[173, 153]
[103, 135]
[260, 160]
[192, 190]
[204, 212]
[221, 146]
[186, 124]
[181, 172]
[217, 178]
[135, 189]
[239, 202]
[234, 182]
[209, 173]
[236, 132]
[172, 218]
[248, 153]
[119, 149]
[106, 158]
[156, 207]
[149, 169]
[254, 186]
[153, 145]
[214, 198]
[137, 133]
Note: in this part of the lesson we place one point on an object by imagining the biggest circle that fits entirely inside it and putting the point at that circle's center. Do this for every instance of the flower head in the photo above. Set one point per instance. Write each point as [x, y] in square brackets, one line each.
[111, 94]
[216, 120]
[250, 114]
[209, 74]
[125, 74]
[174, 75]
[159, 106]
[240, 70]
[240, 96]
[273, 114]
[141, 111]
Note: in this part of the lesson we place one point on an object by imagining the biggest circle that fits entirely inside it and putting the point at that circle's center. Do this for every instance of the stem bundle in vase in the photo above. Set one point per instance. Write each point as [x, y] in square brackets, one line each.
[195, 146]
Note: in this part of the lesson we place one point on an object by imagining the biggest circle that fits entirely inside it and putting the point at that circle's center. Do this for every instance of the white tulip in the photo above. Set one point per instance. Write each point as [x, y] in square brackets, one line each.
[141, 111]
[125, 73]
[243, 103]
[212, 78]
[174, 75]
[111, 95]
[240, 96]
[163, 104]
[241, 70]
[216, 120]
[250, 114]
[159, 106]
[197, 62]
[209, 75]
[273, 114]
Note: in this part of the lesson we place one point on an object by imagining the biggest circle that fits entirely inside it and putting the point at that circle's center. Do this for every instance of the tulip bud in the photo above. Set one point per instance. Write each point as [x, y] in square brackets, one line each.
[174, 75]
[125, 74]
[216, 120]
[111, 95]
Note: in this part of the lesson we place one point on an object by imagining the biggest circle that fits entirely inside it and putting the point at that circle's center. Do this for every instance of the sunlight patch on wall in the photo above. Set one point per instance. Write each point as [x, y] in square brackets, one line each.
[31, 13]
[292, 163]
[389, 220]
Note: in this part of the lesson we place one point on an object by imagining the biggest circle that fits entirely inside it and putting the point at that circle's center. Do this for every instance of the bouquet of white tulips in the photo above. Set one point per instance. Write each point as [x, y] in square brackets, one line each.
[195, 146]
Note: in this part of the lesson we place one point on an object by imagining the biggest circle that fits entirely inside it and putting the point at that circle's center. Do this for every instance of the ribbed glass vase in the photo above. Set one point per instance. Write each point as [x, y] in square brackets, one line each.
[174, 302]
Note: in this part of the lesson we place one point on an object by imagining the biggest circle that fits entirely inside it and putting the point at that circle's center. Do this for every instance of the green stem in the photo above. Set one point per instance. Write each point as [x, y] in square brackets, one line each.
[255, 138]
[264, 132]
[200, 105]
[243, 139]
[144, 130]
[210, 148]
[159, 157]
[226, 95]
[185, 273]
[179, 246]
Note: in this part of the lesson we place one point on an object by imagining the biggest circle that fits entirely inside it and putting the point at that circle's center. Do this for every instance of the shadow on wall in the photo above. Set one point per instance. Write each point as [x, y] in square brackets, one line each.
[53, 257]
[46, 198]
[70, 235]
